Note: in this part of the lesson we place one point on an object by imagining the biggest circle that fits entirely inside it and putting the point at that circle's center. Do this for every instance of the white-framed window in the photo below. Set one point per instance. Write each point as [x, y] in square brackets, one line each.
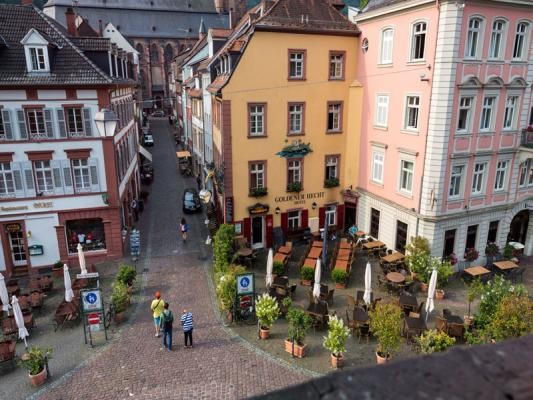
[478, 178]
[378, 161]
[412, 108]
[332, 167]
[382, 110]
[520, 41]
[294, 219]
[406, 176]
[472, 41]
[296, 114]
[456, 178]
[257, 175]
[74, 121]
[418, 41]
[7, 182]
[44, 177]
[525, 173]
[510, 112]
[257, 119]
[36, 123]
[331, 215]
[296, 64]
[336, 65]
[334, 117]
[38, 59]
[501, 175]
[496, 39]
[82, 175]
[486, 113]
[464, 114]
[387, 36]
[294, 171]
[3, 133]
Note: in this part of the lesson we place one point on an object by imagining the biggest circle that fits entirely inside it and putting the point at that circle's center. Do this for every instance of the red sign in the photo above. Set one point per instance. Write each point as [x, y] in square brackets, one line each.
[93, 319]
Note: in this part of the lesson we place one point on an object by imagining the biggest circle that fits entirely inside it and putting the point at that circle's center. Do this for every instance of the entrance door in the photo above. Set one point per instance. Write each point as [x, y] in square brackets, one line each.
[257, 232]
[518, 229]
[18, 252]
[349, 216]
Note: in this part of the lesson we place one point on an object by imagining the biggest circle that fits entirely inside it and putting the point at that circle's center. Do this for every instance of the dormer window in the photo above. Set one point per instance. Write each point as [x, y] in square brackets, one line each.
[36, 52]
[37, 59]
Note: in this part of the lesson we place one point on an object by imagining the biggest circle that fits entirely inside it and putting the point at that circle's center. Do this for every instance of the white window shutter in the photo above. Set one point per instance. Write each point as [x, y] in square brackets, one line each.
[6, 117]
[93, 164]
[67, 177]
[61, 122]
[29, 183]
[87, 121]
[17, 177]
[23, 133]
[49, 122]
[56, 172]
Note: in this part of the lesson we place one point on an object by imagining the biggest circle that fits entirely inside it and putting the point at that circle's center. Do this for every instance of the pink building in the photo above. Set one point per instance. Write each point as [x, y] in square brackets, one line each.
[444, 145]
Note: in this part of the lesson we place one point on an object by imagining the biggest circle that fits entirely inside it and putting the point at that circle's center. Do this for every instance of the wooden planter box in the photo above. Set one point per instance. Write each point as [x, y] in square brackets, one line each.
[299, 351]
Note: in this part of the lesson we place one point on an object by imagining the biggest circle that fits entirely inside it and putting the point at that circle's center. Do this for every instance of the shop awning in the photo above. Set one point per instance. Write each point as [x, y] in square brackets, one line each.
[145, 153]
[181, 154]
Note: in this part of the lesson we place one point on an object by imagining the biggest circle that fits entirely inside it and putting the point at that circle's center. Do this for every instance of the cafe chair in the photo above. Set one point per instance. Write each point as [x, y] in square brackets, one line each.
[329, 298]
[441, 324]
[456, 330]
[292, 290]
[350, 302]
[350, 323]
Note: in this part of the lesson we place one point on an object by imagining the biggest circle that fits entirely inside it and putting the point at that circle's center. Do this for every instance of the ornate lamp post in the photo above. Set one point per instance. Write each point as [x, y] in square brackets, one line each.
[206, 195]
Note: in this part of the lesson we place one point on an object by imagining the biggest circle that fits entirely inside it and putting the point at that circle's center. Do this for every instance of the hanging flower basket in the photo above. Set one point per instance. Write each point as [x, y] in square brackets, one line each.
[295, 150]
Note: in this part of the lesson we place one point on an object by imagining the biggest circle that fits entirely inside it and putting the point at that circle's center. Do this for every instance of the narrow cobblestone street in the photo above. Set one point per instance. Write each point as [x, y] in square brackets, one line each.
[135, 365]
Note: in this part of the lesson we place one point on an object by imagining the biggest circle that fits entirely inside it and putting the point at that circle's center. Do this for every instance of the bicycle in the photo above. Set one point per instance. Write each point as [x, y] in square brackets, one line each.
[109, 315]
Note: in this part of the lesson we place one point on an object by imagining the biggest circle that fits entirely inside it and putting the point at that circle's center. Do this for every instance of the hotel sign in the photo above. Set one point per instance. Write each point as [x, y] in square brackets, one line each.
[300, 198]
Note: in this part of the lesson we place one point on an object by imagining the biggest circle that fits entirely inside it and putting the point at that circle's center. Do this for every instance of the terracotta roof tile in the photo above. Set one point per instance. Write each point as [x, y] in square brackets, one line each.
[218, 83]
[197, 93]
[220, 33]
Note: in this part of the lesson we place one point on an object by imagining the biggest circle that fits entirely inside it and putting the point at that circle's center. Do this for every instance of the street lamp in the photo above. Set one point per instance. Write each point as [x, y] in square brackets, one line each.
[106, 122]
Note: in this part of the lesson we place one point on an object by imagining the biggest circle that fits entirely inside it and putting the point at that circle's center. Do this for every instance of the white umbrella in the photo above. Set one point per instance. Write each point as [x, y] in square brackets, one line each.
[69, 294]
[270, 264]
[430, 306]
[368, 283]
[4, 296]
[318, 273]
[81, 258]
[19, 319]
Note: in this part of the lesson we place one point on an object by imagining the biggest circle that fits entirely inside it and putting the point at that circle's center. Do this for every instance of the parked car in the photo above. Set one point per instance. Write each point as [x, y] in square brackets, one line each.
[148, 140]
[158, 114]
[191, 201]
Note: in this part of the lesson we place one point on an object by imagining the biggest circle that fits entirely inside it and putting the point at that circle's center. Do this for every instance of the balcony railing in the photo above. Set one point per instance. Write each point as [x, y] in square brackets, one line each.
[526, 139]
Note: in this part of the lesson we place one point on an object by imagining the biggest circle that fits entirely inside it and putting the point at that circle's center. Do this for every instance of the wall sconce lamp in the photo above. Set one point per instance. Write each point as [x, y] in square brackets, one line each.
[278, 210]
[28, 234]
[313, 206]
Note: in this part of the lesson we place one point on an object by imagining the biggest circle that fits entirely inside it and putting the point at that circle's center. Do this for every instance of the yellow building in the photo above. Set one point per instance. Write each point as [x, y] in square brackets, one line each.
[286, 112]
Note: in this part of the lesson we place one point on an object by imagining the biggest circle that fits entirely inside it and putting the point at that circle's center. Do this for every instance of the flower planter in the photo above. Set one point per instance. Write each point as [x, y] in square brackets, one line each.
[299, 351]
[120, 317]
[340, 285]
[439, 294]
[337, 362]
[305, 282]
[264, 333]
[424, 287]
[38, 380]
[380, 359]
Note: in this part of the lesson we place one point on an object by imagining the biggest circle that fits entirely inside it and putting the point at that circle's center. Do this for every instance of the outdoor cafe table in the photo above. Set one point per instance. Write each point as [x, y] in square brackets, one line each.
[453, 319]
[408, 302]
[344, 254]
[284, 250]
[280, 257]
[395, 277]
[318, 243]
[477, 271]
[390, 258]
[309, 262]
[345, 246]
[505, 265]
[281, 281]
[341, 264]
[373, 245]
[315, 252]
[244, 252]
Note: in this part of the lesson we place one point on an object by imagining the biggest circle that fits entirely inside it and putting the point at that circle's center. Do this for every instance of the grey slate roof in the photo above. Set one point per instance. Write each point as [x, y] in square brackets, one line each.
[375, 4]
[166, 5]
[68, 64]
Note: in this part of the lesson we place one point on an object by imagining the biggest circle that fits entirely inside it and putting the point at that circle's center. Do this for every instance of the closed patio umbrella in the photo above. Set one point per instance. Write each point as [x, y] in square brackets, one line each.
[368, 283]
[69, 294]
[19, 319]
[4, 296]
[81, 258]
[318, 273]
[430, 306]
[270, 264]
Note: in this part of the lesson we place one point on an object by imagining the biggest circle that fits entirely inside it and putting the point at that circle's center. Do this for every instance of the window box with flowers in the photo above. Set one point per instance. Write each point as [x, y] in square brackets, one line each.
[294, 187]
[258, 192]
[331, 182]
[471, 254]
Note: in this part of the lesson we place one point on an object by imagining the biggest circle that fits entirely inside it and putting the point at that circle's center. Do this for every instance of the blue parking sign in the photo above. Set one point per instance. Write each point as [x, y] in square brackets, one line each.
[245, 283]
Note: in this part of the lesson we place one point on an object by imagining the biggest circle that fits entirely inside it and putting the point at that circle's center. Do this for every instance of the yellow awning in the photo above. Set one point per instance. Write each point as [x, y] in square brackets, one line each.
[181, 154]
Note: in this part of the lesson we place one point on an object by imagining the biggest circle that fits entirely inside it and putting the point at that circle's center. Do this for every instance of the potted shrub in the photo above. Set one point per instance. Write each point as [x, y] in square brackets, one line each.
[417, 254]
[286, 304]
[335, 342]
[491, 250]
[386, 325]
[340, 277]
[120, 299]
[331, 182]
[223, 247]
[471, 254]
[278, 268]
[57, 269]
[433, 340]
[307, 274]
[126, 274]
[267, 311]
[258, 192]
[508, 252]
[444, 271]
[299, 323]
[34, 361]
[473, 290]
[294, 187]
[226, 290]
[513, 318]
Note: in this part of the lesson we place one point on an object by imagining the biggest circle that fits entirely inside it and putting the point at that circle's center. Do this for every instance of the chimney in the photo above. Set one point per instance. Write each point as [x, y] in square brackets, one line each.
[71, 22]
[219, 6]
[100, 28]
[26, 2]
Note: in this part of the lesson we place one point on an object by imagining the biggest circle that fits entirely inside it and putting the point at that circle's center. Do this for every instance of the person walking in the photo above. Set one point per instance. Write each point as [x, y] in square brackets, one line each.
[157, 306]
[166, 320]
[187, 325]
[184, 229]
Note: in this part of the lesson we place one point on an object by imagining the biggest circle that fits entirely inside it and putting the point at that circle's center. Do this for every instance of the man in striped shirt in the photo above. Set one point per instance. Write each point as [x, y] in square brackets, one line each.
[187, 324]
